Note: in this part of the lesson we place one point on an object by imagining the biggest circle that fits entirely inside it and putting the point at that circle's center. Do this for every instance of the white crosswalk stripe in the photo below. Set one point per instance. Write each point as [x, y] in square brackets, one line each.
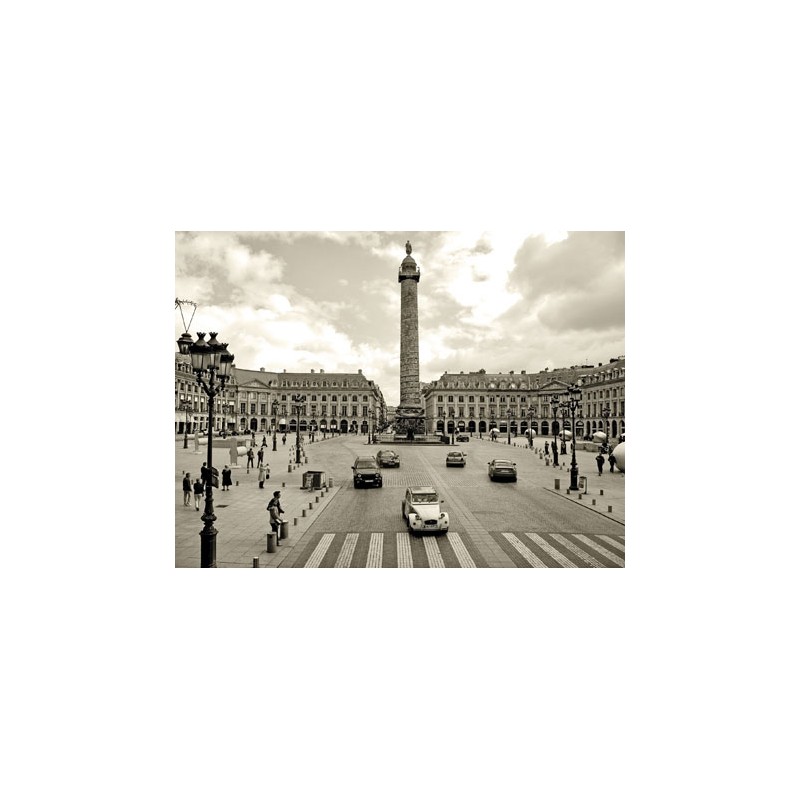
[375, 553]
[524, 551]
[319, 551]
[432, 551]
[464, 558]
[404, 550]
[552, 552]
[575, 549]
[346, 555]
[603, 551]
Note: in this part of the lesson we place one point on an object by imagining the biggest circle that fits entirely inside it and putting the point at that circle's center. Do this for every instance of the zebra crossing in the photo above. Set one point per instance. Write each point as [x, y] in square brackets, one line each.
[459, 550]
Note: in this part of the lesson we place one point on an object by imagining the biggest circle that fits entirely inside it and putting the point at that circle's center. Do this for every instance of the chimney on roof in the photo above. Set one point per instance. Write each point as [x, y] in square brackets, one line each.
[262, 369]
[312, 371]
[523, 372]
[359, 372]
[322, 372]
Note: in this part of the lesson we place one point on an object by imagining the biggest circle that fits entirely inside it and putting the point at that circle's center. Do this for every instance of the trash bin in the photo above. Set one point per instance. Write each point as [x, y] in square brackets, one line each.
[284, 530]
[583, 484]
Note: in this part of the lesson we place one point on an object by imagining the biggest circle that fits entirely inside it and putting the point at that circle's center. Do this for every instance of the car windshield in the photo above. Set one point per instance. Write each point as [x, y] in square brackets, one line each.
[424, 497]
[455, 453]
[503, 464]
[365, 464]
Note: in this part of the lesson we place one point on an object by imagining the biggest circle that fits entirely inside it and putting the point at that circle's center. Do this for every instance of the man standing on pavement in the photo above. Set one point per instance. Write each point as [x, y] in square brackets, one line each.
[249, 459]
[198, 493]
[263, 474]
[600, 461]
[187, 489]
[611, 462]
[260, 455]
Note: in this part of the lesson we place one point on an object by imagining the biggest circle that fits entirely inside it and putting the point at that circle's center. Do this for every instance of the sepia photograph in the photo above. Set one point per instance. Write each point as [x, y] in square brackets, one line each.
[412, 399]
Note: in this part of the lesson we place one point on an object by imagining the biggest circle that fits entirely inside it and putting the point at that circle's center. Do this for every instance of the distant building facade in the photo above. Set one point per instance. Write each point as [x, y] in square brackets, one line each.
[478, 402]
[261, 401]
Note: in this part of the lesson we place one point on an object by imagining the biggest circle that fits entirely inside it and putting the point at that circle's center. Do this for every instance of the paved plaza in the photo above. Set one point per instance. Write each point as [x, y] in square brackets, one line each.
[362, 528]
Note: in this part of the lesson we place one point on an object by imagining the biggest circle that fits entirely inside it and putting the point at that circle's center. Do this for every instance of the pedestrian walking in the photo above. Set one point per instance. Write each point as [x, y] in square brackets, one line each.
[187, 489]
[611, 461]
[555, 456]
[263, 441]
[198, 493]
[563, 447]
[261, 456]
[226, 479]
[547, 448]
[600, 461]
[283, 439]
[205, 473]
[263, 474]
[249, 459]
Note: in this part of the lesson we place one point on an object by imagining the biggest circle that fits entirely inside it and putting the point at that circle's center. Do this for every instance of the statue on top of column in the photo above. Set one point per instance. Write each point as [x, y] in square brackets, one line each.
[408, 247]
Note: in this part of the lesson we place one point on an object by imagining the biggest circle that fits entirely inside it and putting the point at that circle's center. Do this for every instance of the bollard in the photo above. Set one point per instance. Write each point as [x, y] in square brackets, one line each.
[540, 456]
[290, 467]
[237, 483]
[272, 542]
[304, 512]
[547, 462]
[310, 506]
[306, 459]
[255, 562]
[284, 530]
[594, 501]
[601, 493]
[295, 520]
[316, 499]
[609, 509]
[558, 484]
[567, 491]
[283, 484]
[580, 497]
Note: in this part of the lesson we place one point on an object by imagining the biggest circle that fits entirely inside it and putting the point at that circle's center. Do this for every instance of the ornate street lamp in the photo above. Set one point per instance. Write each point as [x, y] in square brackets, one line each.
[573, 404]
[555, 400]
[299, 401]
[509, 418]
[531, 417]
[605, 413]
[212, 364]
[185, 406]
[274, 425]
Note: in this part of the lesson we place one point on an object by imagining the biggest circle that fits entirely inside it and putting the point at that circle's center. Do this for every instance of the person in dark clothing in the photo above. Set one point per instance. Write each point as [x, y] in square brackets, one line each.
[249, 459]
[555, 456]
[547, 448]
[263, 441]
[187, 489]
[600, 461]
[226, 479]
[198, 494]
[205, 473]
[611, 462]
[275, 514]
[260, 456]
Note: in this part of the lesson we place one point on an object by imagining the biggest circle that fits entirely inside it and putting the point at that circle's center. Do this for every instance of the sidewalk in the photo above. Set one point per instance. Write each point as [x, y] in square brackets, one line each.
[242, 521]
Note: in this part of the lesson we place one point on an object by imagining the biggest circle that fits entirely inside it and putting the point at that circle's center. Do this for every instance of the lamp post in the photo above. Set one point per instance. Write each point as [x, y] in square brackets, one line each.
[573, 403]
[531, 417]
[564, 407]
[212, 364]
[275, 425]
[509, 417]
[298, 400]
[554, 402]
[185, 407]
[605, 413]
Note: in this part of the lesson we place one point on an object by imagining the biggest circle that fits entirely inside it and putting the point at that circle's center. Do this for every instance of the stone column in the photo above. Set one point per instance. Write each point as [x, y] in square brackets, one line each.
[410, 415]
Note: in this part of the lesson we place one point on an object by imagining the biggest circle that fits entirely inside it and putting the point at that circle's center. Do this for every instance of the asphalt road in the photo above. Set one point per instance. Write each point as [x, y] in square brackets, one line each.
[492, 524]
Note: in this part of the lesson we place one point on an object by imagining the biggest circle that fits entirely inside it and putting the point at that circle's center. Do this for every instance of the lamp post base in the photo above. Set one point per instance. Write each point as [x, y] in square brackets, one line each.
[208, 544]
[573, 478]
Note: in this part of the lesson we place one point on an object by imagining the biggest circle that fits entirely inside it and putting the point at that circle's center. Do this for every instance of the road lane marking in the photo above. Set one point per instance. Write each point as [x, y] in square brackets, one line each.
[577, 550]
[319, 551]
[463, 556]
[552, 552]
[404, 550]
[532, 559]
[600, 550]
[432, 551]
[346, 556]
[375, 552]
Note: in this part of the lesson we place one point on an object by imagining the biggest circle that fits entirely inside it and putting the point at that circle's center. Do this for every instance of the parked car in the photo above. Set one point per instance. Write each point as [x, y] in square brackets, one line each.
[462, 437]
[422, 510]
[455, 458]
[366, 472]
[388, 458]
[502, 469]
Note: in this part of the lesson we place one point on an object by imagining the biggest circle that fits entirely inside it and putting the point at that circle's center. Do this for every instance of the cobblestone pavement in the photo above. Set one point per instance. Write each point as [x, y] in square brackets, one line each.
[536, 522]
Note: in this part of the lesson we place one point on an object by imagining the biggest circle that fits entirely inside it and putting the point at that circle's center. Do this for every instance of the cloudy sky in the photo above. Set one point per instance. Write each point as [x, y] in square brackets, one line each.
[500, 301]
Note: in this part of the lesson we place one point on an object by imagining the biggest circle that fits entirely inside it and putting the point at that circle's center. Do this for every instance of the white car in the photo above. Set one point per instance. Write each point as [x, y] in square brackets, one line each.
[422, 510]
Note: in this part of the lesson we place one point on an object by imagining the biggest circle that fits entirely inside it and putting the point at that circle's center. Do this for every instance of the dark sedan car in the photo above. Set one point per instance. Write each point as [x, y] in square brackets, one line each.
[366, 472]
[388, 458]
[500, 469]
[462, 437]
